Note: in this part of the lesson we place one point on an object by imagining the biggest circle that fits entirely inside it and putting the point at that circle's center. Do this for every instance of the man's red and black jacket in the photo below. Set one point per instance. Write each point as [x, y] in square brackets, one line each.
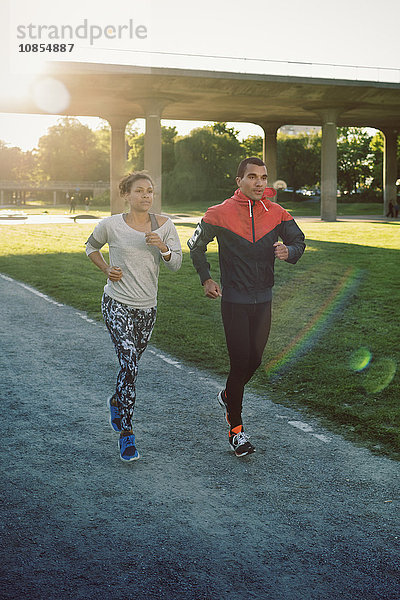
[246, 231]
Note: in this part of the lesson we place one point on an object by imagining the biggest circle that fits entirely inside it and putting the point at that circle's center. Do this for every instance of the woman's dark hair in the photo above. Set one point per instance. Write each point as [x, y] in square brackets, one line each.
[252, 160]
[126, 182]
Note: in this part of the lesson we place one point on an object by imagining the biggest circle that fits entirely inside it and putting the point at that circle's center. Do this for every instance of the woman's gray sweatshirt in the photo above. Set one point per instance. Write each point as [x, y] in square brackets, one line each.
[139, 262]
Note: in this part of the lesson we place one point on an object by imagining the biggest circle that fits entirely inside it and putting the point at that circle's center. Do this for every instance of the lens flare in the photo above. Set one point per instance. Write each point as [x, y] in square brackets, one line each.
[360, 359]
[310, 333]
[379, 375]
[51, 95]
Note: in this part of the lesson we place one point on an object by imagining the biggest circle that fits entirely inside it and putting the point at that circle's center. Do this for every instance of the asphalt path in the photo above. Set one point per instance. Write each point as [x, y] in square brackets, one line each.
[310, 516]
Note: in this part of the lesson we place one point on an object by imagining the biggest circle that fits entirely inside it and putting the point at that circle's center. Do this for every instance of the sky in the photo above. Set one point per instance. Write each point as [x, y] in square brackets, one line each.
[341, 39]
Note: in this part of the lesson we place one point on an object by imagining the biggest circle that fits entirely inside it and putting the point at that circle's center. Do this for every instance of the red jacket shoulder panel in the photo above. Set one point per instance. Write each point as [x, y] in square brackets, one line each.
[286, 216]
[267, 220]
[235, 214]
[232, 216]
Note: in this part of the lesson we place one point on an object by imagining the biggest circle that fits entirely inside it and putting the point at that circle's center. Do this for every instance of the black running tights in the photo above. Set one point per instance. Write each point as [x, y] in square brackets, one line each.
[247, 329]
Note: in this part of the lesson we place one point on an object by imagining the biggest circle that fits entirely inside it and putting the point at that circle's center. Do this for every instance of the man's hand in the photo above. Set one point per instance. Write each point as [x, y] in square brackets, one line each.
[211, 289]
[114, 273]
[281, 251]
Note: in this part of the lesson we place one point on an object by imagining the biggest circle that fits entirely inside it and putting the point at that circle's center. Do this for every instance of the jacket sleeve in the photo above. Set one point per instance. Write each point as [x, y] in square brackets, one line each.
[293, 238]
[202, 236]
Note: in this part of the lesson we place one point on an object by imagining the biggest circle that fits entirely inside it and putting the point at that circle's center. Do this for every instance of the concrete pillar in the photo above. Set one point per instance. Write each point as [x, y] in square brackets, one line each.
[1, 197]
[152, 147]
[117, 161]
[389, 168]
[270, 155]
[54, 198]
[329, 166]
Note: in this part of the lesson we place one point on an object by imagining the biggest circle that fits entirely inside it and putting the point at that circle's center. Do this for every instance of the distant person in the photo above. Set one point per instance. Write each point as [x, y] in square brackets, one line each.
[247, 227]
[390, 212]
[87, 203]
[138, 242]
[72, 204]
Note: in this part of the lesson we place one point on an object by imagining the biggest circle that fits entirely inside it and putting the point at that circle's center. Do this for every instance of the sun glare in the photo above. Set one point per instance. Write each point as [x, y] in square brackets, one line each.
[16, 83]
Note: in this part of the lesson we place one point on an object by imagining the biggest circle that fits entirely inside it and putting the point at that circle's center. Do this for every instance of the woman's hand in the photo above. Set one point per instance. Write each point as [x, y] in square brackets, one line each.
[153, 239]
[114, 273]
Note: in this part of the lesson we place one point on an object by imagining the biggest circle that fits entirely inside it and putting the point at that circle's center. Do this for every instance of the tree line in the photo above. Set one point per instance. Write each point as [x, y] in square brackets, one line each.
[198, 164]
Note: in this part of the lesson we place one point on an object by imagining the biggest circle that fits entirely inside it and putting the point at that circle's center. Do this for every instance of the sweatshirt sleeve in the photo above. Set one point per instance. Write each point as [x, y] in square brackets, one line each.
[98, 238]
[172, 241]
[202, 236]
[293, 238]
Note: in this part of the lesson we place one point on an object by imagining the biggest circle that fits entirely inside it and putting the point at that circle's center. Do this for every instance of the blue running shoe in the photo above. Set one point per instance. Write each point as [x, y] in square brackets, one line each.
[115, 416]
[127, 448]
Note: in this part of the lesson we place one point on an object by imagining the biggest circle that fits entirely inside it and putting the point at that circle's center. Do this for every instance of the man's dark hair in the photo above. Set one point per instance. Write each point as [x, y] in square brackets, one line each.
[126, 182]
[252, 160]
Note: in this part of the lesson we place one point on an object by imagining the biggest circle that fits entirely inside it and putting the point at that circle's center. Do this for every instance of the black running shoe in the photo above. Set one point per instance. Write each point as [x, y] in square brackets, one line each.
[222, 401]
[240, 443]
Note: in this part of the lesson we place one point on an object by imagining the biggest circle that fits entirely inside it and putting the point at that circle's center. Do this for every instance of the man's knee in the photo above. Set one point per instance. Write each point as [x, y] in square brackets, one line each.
[255, 363]
[240, 369]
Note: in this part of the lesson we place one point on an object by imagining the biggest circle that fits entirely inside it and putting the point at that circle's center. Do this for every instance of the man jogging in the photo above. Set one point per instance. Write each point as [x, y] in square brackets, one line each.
[247, 227]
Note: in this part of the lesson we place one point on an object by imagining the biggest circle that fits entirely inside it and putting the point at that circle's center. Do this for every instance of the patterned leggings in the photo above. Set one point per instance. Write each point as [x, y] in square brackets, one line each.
[130, 330]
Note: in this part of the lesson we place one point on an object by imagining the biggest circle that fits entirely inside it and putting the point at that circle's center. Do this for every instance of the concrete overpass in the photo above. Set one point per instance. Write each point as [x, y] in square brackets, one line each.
[119, 93]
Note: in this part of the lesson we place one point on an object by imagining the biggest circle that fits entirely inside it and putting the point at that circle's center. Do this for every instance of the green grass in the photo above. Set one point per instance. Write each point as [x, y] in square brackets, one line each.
[299, 209]
[38, 208]
[310, 209]
[359, 208]
[339, 302]
[364, 257]
[302, 209]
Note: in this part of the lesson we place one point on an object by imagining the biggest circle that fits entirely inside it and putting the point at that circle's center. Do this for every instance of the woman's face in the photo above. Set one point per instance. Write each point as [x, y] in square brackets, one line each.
[140, 197]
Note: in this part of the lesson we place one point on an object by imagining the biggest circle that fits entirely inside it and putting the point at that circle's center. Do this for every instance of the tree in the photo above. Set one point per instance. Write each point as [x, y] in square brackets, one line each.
[103, 137]
[205, 167]
[253, 146]
[9, 159]
[69, 152]
[355, 158]
[136, 149]
[27, 169]
[168, 139]
[18, 165]
[299, 160]
[222, 128]
[377, 148]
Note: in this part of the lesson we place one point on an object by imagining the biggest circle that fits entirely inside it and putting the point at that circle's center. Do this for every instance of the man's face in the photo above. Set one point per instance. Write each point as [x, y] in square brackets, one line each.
[253, 182]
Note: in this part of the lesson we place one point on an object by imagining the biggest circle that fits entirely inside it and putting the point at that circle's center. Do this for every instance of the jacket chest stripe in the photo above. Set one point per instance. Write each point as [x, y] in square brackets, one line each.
[253, 225]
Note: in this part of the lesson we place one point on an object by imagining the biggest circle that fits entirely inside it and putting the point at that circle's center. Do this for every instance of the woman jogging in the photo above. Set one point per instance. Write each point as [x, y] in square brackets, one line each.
[138, 241]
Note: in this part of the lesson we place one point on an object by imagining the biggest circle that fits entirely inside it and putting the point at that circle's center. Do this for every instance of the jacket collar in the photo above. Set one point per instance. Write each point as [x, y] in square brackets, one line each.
[268, 193]
[264, 201]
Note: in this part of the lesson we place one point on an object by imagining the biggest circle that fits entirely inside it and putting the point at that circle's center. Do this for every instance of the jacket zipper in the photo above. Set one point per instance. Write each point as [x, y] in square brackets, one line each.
[254, 241]
[252, 221]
